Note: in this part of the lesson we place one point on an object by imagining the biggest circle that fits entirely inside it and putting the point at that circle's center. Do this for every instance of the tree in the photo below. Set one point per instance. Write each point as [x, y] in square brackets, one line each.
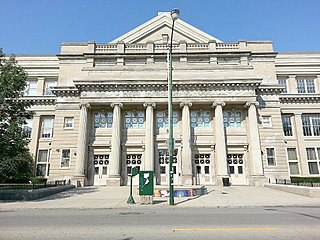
[16, 163]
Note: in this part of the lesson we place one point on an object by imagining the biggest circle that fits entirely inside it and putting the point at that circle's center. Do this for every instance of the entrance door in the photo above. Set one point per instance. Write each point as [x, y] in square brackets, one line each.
[164, 167]
[133, 160]
[236, 169]
[101, 163]
[202, 168]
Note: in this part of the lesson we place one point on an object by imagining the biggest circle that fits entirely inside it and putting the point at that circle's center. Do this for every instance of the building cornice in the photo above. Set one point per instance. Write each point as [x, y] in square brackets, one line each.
[300, 98]
[65, 91]
[39, 100]
[269, 89]
[163, 85]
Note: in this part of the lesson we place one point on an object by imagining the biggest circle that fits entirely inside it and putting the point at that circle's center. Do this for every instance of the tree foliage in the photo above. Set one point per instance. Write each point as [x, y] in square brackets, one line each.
[15, 159]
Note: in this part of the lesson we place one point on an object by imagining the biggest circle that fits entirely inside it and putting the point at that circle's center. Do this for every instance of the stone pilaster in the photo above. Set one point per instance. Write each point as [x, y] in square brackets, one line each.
[115, 159]
[301, 150]
[254, 144]
[82, 145]
[186, 145]
[221, 151]
[148, 164]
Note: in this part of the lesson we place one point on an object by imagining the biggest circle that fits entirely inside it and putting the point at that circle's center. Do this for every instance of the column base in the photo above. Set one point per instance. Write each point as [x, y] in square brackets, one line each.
[114, 181]
[187, 180]
[257, 180]
[223, 180]
[79, 181]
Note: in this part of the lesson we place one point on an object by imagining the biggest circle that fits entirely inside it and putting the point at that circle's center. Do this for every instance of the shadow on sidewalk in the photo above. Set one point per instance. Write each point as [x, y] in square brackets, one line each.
[69, 193]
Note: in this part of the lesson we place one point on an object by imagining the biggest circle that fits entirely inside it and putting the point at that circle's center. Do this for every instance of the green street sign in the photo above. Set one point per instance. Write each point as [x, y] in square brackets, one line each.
[134, 171]
[146, 183]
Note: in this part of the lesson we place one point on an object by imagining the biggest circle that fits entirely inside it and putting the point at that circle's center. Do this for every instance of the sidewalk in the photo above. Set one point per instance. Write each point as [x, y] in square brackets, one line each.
[116, 197]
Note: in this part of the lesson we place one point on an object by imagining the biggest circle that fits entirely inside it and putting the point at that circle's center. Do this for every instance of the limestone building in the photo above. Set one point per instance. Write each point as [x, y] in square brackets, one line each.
[240, 110]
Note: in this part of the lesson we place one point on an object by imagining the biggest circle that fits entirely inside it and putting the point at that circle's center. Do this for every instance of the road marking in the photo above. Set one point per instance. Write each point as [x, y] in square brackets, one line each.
[224, 229]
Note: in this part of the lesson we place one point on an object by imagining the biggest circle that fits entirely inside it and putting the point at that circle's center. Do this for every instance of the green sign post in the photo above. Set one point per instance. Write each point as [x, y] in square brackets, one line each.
[134, 172]
[146, 182]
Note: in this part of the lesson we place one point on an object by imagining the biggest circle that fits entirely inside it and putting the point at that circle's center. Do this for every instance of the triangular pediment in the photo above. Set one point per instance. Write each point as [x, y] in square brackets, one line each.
[156, 30]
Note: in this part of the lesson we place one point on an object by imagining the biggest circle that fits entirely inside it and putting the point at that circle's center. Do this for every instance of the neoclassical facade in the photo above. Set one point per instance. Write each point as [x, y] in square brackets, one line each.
[240, 110]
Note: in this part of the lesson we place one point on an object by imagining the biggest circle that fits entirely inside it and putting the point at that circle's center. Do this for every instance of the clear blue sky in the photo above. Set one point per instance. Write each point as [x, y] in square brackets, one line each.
[40, 26]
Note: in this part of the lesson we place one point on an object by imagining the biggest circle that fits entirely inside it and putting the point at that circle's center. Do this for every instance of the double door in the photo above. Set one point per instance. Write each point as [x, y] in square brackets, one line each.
[236, 169]
[202, 166]
[101, 164]
[165, 167]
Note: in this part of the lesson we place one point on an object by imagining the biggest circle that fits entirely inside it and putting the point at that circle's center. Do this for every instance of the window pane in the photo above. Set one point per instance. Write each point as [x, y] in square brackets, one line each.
[292, 154]
[286, 124]
[313, 168]
[271, 157]
[41, 170]
[293, 167]
[311, 154]
[306, 125]
[316, 125]
[49, 86]
[310, 86]
[68, 122]
[301, 86]
[43, 156]
[65, 159]
[283, 82]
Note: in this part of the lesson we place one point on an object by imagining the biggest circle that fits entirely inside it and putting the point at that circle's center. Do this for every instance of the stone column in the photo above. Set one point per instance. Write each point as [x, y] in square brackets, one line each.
[254, 144]
[221, 151]
[82, 145]
[148, 164]
[186, 145]
[115, 159]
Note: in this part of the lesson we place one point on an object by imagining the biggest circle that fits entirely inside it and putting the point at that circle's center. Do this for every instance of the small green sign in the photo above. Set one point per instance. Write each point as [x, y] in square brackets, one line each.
[146, 183]
[134, 171]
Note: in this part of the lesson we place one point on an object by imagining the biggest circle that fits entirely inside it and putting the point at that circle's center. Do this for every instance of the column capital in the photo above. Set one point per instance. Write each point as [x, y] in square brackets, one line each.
[84, 105]
[216, 103]
[189, 104]
[249, 103]
[153, 105]
[116, 104]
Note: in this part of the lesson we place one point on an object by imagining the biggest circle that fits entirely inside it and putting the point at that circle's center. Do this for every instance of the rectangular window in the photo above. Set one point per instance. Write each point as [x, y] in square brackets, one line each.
[311, 125]
[28, 127]
[162, 119]
[313, 160]
[43, 163]
[31, 88]
[271, 157]
[48, 87]
[286, 125]
[266, 121]
[47, 127]
[284, 83]
[68, 122]
[103, 119]
[200, 119]
[134, 119]
[65, 158]
[232, 119]
[305, 86]
[293, 161]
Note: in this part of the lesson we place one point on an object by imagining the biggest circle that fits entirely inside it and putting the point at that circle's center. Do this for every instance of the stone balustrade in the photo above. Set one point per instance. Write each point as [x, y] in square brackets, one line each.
[163, 48]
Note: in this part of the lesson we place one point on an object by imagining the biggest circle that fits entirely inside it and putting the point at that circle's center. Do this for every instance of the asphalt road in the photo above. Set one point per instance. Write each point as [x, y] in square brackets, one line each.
[278, 223]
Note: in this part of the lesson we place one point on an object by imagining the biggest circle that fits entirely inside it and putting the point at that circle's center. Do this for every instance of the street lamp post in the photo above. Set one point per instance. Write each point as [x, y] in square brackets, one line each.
[175, 13]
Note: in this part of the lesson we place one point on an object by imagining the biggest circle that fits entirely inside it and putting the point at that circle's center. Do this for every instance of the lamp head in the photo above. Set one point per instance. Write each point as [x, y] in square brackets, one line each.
[175, 14]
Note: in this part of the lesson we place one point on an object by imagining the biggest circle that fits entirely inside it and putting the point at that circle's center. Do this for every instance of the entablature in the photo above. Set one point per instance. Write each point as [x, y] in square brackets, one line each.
[300, 98]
